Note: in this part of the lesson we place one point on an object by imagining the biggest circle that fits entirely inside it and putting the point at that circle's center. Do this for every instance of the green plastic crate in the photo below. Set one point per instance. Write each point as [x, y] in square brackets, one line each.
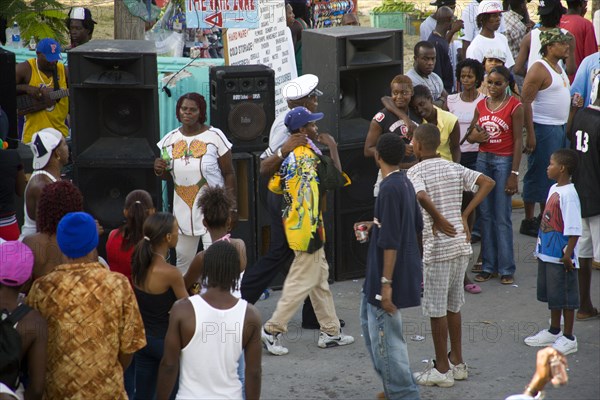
[392, 20]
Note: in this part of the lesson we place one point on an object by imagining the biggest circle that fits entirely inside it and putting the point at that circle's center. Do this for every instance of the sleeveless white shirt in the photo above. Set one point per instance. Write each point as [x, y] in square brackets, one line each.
[209, 362]
[29, 225]
[551, 105]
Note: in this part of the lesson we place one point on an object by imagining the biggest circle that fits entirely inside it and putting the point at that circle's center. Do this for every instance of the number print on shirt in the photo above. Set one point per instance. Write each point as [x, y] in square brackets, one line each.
[582, 141]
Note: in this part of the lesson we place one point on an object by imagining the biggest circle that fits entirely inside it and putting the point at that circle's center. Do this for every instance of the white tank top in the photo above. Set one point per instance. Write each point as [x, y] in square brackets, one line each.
[535, 46]
[208, 366]
[29, 226]
[551, 105]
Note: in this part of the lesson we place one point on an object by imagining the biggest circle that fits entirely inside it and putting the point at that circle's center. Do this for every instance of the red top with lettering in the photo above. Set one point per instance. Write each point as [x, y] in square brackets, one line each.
[498, 125]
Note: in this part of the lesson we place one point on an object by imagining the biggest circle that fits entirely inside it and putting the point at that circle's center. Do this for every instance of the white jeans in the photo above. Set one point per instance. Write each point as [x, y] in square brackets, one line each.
[186, 249]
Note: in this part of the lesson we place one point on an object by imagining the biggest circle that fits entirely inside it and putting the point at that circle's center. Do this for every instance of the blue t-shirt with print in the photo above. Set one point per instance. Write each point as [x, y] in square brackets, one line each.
[398, 221]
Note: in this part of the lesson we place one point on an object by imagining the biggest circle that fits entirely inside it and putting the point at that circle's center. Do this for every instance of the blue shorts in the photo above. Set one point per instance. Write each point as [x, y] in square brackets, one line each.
[557, 286]
[536, 183]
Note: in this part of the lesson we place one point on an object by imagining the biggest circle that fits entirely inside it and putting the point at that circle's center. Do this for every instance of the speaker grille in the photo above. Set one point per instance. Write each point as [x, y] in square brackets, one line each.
[122, 113]
[247, 121]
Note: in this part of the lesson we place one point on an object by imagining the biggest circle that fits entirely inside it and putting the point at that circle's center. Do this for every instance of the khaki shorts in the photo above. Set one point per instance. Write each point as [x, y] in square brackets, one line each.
[589, 242]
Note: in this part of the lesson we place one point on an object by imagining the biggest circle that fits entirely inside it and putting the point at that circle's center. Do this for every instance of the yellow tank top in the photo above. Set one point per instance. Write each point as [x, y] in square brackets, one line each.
[52, 117]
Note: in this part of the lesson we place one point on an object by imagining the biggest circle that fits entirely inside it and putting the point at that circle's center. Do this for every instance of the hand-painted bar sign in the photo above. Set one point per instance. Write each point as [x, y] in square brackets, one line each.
[222, 13]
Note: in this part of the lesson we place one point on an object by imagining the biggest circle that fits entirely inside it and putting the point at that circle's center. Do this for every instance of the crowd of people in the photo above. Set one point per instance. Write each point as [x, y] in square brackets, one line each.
[139, 324]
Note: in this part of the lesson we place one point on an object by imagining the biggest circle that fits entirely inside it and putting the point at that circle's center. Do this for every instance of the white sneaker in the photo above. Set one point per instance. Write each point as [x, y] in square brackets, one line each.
[326, 340]
[460, 372]
[565, 345]
[273, 343]
[542, 338]
[430, 376]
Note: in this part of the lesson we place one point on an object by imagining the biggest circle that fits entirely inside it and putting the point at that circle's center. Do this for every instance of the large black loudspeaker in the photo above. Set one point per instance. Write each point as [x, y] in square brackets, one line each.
[114, 124]
[242, 104]
[353, 203]
[243, 164]
[355, 67]
[8, 93]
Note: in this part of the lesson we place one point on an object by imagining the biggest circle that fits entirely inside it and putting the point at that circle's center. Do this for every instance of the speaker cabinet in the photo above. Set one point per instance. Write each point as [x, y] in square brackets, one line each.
[355, 66]
[104, 190]
[114, 125]
[8, 94]
[242, 104]
[353, 203]
[243, 164]
[114, 98]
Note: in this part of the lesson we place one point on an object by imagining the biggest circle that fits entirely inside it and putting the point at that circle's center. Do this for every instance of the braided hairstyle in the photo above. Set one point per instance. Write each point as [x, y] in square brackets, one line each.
[156, 228]
[502, 70]
[56, 200]
[221, 266]
[215, 204]
[138, 205]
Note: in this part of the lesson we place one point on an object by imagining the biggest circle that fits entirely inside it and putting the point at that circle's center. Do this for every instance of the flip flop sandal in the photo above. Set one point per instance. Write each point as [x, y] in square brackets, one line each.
[472, 288]
[587, 317]
[483, 277]
[507, 280]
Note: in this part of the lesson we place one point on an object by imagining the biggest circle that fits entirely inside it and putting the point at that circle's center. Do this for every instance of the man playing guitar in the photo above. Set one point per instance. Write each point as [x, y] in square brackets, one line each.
[43, 82]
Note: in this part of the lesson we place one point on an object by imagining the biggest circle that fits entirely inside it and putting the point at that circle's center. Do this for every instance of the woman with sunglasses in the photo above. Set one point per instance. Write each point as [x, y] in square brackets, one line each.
[497, 126]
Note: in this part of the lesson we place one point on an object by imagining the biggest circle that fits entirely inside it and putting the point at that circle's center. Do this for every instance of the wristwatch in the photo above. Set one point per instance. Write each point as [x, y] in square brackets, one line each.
[515, 172]
[385, 281]
[279, 154]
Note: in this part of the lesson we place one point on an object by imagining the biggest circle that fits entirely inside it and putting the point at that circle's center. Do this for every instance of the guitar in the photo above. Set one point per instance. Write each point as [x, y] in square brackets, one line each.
[27, 104]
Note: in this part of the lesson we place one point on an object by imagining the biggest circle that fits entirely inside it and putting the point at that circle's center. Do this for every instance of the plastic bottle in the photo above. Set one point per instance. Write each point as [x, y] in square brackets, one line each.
[32, 43]
[16, 36]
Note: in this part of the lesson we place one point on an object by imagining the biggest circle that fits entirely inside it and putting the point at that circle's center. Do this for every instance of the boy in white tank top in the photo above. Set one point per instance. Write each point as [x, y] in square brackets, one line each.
[214, 326]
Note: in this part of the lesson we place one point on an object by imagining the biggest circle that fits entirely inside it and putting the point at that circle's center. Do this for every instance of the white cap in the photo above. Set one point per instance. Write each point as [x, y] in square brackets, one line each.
[489, 7]
[302, 86]
[77, 13]
[42, 144]
[495, 52]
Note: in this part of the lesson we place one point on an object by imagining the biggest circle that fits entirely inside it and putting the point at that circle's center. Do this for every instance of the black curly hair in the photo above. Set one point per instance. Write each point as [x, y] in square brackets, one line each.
[215, 204]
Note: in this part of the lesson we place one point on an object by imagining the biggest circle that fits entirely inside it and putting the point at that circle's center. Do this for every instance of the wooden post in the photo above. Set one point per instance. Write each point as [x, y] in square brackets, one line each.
[127, 26]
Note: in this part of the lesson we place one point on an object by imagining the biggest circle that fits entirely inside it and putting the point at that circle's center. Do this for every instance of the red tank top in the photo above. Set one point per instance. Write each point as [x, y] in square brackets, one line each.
[498, 124]
[119, 260]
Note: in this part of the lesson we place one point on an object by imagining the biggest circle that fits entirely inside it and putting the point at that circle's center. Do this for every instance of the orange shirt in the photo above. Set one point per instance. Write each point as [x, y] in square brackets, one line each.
[92, 316]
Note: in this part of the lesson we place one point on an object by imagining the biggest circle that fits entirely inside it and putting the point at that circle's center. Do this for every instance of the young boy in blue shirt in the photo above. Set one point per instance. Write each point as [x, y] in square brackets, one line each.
[393, 276]
[557, 253]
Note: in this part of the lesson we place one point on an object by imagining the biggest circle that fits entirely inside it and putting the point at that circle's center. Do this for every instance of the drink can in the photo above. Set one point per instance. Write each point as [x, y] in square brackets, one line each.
[362, 233]
[559, 373]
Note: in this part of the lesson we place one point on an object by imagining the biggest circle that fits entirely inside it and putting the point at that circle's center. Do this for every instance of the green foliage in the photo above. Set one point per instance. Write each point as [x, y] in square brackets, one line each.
[392, 6]
[38, 18]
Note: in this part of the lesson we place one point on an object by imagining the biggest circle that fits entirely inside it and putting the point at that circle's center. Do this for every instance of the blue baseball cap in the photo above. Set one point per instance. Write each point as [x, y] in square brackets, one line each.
[297, 117]
[50, 48]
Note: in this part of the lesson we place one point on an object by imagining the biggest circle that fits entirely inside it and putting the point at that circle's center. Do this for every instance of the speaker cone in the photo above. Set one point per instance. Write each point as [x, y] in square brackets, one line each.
[246, 121]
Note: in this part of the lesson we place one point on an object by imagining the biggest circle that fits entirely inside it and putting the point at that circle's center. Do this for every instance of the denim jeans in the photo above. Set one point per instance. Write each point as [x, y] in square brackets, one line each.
[388, 350]
[495, 216]
[147, 361]
[536, 183]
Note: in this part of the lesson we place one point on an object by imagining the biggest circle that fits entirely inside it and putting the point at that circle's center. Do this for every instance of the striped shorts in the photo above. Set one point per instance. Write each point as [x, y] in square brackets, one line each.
[443, 286]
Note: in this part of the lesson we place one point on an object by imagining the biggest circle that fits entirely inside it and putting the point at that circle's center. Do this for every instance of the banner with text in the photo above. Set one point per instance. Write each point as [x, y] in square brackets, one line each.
[270, 44]
[222, 13]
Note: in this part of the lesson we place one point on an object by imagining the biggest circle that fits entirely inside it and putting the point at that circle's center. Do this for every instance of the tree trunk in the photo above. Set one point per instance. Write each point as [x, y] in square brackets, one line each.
[127, 26]
[595, 6]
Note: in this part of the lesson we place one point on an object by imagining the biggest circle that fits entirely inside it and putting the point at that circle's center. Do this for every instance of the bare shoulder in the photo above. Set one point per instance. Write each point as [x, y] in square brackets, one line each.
[23, 72]
[181, 307]
[253, 315]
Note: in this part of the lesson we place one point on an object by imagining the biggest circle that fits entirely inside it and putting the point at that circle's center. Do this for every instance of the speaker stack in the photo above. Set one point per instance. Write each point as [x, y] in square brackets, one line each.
[8, 94]
[242, 105]
[355, 66]
[114, 124]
